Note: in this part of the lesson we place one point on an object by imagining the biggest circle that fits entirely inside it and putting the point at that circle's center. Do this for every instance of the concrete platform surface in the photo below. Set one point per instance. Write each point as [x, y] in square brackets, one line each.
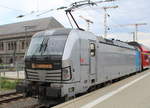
[133, 92]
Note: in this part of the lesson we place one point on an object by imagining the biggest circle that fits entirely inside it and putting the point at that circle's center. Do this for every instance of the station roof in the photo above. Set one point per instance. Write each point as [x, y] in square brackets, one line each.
[28, 26]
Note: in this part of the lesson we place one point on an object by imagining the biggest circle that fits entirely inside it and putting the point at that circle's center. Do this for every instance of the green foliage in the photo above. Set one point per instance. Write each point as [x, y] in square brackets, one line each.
[8, 84]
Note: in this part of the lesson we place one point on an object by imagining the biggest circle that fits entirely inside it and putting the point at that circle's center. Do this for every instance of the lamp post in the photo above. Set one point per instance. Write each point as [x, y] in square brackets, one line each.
[136, 25]
[133, 33]
[105, 18]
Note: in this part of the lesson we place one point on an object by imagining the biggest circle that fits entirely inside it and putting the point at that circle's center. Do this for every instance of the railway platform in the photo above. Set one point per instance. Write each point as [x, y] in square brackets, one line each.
[132, 92]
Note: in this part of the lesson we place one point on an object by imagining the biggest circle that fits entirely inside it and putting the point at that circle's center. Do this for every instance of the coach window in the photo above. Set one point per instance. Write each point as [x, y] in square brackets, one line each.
[92, 49]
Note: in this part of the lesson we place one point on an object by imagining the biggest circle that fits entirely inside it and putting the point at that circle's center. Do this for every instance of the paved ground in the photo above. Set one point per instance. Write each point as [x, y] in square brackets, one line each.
[133, 92]
[13, 74]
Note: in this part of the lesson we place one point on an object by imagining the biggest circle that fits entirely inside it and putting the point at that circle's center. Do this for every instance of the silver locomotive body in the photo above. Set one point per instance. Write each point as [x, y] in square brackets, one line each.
[62, 63]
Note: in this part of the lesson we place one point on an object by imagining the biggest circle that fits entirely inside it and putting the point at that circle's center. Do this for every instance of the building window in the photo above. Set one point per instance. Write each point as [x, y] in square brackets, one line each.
[9, 46]
[1, 61]
[15, 45]
[23, 44]
[1, 46]
[10, 60]
[12, 45]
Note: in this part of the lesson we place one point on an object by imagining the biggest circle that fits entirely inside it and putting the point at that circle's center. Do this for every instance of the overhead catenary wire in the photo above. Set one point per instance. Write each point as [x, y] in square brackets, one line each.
[79, 4]
[24, 13]
[113, 21]
[72, 7]
[88, 21]
[136, 25]
[12, 9]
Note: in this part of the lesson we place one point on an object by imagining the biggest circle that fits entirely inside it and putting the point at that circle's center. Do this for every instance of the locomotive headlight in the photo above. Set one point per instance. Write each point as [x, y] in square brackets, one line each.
[66, 75]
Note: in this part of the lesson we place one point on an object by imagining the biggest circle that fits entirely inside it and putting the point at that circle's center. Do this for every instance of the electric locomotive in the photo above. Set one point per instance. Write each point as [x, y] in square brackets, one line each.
[62, 63]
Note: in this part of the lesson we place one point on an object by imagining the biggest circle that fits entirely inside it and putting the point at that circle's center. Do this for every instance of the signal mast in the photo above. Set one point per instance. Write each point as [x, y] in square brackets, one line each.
[76, 5]
[105, 19]
[136, 28]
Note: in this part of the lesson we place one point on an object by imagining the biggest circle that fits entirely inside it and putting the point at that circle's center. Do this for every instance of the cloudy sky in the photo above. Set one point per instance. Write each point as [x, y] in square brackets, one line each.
[128, 12]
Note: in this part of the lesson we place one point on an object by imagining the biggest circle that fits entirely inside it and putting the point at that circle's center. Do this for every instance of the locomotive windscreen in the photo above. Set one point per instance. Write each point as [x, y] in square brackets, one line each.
[47, 45]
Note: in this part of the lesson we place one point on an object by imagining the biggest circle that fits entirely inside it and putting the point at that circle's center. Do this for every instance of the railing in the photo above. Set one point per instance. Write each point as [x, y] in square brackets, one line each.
[11, 67]
[12, 71]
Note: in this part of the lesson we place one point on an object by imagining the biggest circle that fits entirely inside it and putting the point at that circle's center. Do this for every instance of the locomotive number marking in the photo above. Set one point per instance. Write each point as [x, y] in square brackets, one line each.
[42, 66]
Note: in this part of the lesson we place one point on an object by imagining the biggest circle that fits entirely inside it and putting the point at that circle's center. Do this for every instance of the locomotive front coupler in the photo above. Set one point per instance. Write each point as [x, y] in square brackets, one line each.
[48, 95]
[46, 91]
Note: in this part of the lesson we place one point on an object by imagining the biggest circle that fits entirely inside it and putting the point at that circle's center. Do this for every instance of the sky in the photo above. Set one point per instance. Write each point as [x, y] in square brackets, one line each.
[128, 12]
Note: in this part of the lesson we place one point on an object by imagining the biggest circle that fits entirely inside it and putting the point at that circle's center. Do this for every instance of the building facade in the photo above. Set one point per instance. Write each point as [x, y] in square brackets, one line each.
[15, 38]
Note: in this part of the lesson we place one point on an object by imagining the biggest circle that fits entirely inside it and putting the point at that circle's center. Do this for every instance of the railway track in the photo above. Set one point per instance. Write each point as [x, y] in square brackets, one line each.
[8, 97]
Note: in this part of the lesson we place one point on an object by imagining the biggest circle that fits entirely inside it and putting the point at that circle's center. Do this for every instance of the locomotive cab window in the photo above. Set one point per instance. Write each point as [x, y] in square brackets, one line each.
[92, 49]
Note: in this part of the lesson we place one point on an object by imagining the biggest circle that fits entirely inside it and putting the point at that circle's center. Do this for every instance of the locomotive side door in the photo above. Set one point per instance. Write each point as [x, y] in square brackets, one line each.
[92, 60]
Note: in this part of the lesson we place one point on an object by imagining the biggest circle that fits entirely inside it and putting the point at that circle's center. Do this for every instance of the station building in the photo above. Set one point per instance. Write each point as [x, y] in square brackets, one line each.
[15, 38]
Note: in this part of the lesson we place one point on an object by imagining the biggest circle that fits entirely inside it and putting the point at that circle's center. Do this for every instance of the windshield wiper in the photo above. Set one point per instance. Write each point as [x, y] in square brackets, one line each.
[43, 45]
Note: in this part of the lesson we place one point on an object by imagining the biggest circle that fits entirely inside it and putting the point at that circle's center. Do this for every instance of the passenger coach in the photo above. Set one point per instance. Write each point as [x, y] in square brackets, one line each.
[145, 54]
